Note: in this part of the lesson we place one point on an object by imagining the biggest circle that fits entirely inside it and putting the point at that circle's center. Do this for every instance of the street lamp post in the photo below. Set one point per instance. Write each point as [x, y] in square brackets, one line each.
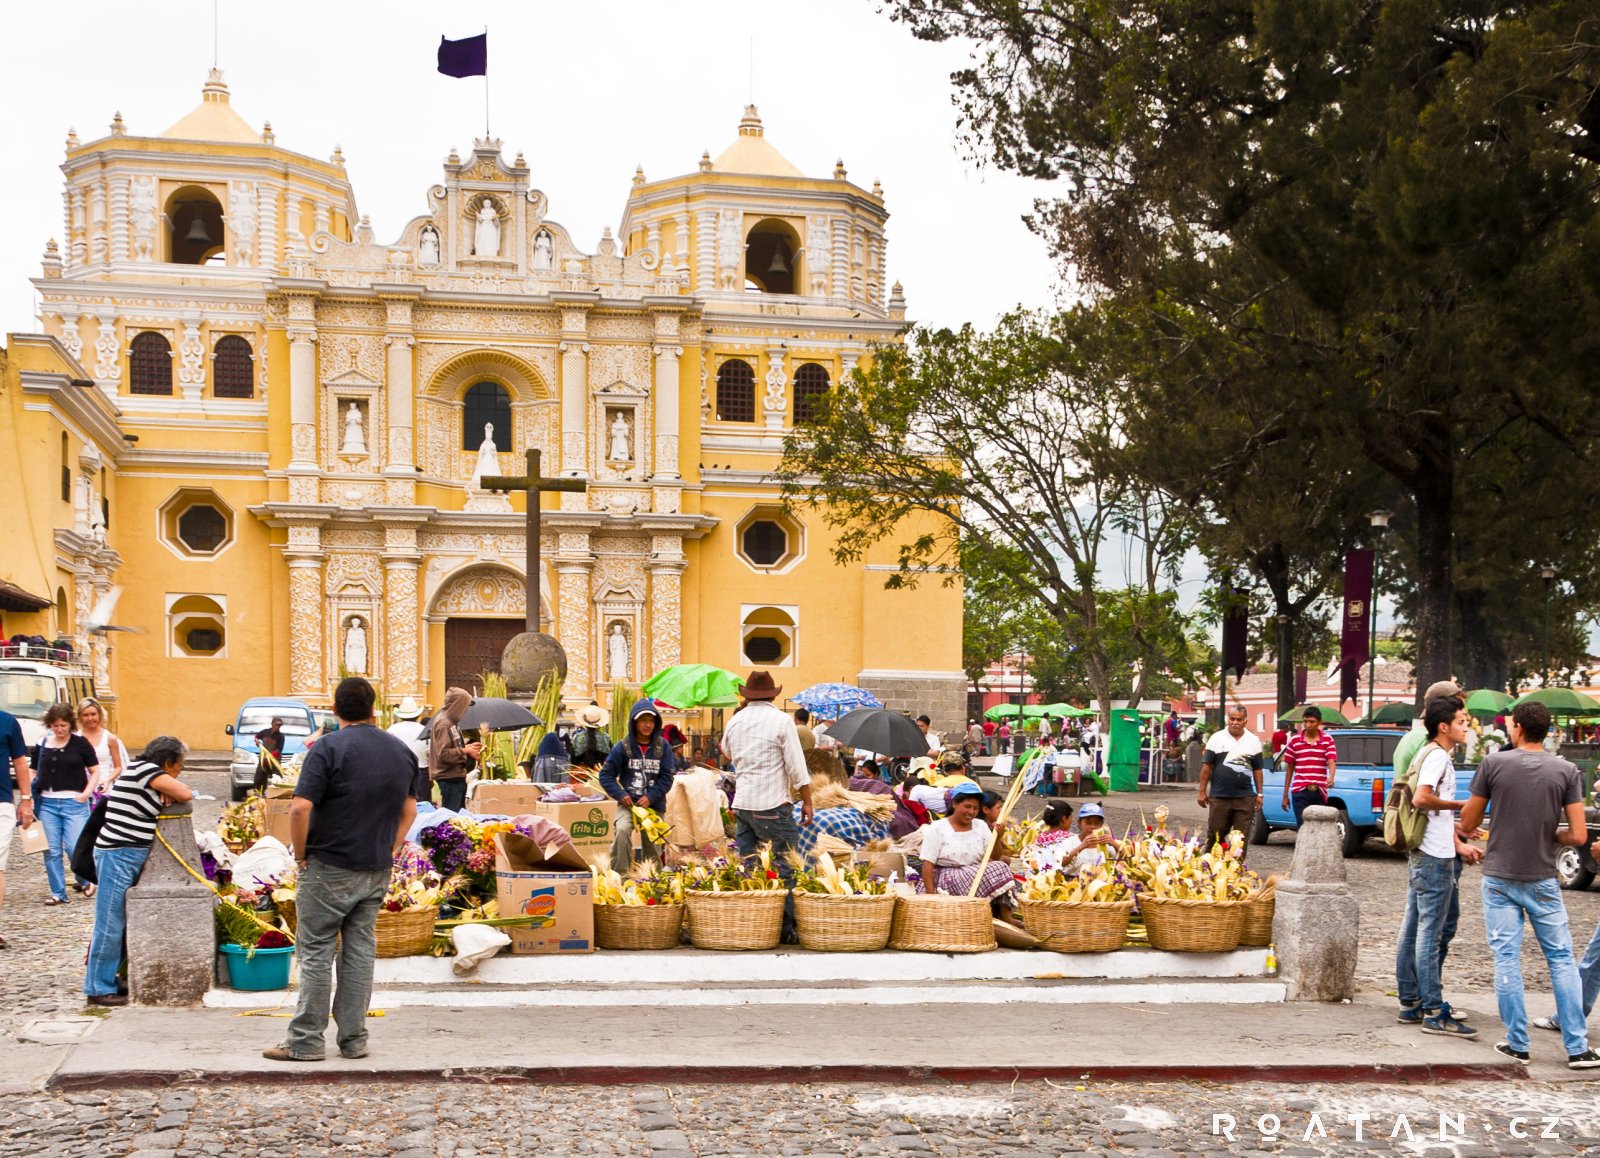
[1380, 524]
[1548, 574]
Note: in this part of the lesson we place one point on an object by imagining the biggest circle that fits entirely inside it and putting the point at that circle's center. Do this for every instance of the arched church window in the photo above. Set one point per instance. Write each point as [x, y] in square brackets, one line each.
[150, 364]
[736, 391]
[233, 373]
[771, 253]
[487, 404]
[194, 222]
[810, 387]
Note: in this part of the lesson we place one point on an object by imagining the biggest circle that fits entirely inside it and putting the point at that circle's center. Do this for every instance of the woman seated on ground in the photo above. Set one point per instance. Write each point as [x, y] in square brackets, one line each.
[857, 819]
[954, 848]
[120, 852]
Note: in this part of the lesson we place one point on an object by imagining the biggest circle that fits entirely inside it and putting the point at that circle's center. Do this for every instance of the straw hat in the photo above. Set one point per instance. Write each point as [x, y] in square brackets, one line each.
[593, 716]
[408, 709]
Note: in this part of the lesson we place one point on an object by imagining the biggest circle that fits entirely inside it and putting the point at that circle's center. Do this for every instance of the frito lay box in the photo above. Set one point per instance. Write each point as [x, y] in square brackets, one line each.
[503, 798]
[589, 823]
[552, 885]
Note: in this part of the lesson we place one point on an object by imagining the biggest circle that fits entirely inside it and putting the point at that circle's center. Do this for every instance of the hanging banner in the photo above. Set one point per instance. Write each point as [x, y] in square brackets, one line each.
[1354, 639]
[1301, 677]
[1236, 633]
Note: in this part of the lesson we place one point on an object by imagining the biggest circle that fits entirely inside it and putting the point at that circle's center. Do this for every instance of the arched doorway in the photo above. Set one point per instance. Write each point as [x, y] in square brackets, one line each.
[481, 608]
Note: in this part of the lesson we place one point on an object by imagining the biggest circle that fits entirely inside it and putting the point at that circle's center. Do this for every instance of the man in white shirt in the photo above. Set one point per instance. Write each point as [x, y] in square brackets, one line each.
[415, 736]
[769, 770]
[1432, 899]
[925, 726]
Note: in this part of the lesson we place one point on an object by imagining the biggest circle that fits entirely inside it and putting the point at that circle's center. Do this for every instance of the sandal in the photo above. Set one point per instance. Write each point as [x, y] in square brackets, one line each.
[55, 900]
[88, 890]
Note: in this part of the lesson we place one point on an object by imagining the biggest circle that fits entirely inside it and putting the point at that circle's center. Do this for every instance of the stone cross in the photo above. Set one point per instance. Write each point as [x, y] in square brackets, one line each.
[533, 484]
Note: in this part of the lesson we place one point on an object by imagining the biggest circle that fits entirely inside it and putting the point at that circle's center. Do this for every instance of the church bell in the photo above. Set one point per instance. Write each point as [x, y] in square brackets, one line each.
[197, 231]
[778, 265]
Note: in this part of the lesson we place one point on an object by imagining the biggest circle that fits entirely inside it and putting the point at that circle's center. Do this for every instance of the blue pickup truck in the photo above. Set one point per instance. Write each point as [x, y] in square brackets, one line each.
[1362, 780]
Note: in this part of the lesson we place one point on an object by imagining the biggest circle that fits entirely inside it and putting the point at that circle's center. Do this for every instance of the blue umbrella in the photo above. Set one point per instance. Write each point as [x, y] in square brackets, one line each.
[830, 701]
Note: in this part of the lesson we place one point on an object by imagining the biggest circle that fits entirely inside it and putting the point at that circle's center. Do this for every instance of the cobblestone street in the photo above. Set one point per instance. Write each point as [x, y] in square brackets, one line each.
[1029, 1120]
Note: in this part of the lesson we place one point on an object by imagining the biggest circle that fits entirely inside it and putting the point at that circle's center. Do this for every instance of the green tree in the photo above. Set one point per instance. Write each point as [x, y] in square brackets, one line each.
[1003, 454]
[1396, 200]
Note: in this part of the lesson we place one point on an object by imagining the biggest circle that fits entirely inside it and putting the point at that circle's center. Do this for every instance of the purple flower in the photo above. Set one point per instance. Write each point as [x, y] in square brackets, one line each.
[448, 846]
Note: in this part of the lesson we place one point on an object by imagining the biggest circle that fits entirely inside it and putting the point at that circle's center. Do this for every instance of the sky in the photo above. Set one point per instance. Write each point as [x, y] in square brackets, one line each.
[586, 91]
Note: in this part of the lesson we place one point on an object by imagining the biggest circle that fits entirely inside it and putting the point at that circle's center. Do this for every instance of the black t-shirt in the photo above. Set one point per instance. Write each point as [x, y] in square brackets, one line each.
[358, 780]
[63, 769]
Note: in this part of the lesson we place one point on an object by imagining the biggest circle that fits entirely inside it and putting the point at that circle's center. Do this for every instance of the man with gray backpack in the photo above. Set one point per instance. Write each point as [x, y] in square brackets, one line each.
[1434, 871]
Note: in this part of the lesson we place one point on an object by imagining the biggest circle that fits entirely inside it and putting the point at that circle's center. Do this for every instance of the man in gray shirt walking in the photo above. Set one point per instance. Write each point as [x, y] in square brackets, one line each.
[1531, 791]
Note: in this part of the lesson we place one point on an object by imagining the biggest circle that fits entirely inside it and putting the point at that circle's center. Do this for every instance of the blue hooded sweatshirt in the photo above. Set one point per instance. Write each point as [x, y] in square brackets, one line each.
[634, 770]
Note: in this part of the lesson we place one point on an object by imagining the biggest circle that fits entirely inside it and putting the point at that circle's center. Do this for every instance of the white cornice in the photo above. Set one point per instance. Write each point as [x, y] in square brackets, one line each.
[153, 456]
[79, 284]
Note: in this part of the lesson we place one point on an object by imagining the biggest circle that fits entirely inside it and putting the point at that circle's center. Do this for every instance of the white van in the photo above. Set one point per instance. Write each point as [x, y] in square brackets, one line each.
[32, 678]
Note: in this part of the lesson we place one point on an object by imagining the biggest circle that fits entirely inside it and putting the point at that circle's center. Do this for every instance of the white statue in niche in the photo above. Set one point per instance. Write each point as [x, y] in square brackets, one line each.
[486, 237]
[355, 647]
[621, 442]
[543, 251]
[355, 439]
[488, 457]
[428, 246]
[617, 655]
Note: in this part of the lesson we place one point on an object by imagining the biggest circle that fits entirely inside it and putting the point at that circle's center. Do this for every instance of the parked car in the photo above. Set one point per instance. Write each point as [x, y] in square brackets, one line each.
[1360, 784]
[256, 716]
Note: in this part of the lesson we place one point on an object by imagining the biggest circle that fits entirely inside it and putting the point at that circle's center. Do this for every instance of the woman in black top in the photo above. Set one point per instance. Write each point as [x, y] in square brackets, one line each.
[63, 773]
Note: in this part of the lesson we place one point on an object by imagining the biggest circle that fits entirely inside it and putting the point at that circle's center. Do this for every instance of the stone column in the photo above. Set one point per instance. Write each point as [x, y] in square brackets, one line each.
[306, 677]
[666, 613]
[172, 940]
[574, 399]
[402, 625]
[120, 193]
[303, 398]
[774, 401]
[399, 468]
[666, 416]
[1317, 919]
[574, 565]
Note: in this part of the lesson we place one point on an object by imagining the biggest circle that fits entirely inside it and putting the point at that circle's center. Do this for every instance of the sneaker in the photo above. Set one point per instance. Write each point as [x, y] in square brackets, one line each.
[1546, 1023]
[1413, 1014]
[1503, 1048]
[1442, 1023]
[281, 1053]
[1587, 1060]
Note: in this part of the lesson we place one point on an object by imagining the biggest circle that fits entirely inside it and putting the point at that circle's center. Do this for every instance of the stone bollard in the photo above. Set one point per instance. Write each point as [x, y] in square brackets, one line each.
[172, 938]
[1316, 917]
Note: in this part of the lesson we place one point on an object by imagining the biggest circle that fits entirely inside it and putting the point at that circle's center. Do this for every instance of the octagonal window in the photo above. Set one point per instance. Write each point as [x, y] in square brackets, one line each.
[769, 539]
[197, 524]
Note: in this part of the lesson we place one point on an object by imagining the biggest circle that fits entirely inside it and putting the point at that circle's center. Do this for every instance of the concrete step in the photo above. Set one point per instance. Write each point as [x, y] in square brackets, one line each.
[692, 977]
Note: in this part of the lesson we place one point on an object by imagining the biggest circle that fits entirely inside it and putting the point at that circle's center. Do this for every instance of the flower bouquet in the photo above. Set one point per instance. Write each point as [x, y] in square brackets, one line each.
[242, 823]
[842, 907]
[736, 904]
[643, 910]
[411, 904]
[1190, 900]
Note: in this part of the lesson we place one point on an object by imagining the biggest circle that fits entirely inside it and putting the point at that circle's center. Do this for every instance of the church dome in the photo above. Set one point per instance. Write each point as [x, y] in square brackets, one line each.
[213, 119]
[752, 154]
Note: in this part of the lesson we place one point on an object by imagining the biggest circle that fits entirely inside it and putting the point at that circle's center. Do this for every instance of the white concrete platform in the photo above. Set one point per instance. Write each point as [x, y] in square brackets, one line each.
[689, 977]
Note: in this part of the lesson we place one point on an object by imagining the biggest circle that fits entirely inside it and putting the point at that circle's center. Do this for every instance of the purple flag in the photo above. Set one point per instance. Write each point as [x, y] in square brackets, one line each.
[1354, 638]
[469, 57]
[1236, 633]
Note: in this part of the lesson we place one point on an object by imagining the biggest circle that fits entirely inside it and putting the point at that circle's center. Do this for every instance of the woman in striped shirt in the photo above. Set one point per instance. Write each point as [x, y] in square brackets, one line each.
[120, 852]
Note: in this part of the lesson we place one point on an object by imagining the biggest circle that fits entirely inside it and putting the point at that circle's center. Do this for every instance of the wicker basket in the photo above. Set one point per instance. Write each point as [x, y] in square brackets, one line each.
[1192, 926]
[406, 933]
[1256, 932]
[637, 926]
[942, 924]
[752, 920]
[843, 924]
[1078, 926]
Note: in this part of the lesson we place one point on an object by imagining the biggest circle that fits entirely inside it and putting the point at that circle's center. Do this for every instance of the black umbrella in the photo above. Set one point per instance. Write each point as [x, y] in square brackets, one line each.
[880, 730]
[497, 715]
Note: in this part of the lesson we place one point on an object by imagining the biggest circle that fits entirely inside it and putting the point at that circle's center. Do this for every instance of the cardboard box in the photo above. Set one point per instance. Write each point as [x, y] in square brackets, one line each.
[590, 823]
[275, 814]
[503, 798]
[553, 884]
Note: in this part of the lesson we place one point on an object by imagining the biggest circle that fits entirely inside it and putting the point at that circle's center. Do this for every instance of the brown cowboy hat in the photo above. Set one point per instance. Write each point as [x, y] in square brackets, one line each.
[760, 687]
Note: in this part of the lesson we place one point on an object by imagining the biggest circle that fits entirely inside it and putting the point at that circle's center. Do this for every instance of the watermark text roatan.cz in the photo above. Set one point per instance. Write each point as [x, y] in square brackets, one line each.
[1360, 1126]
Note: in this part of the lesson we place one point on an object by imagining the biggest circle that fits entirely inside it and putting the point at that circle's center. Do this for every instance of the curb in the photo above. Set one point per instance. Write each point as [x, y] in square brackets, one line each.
[1421, 1073]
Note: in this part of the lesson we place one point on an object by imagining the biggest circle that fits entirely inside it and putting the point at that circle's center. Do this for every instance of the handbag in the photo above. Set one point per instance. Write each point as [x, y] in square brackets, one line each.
[34, 839]
[83, 854]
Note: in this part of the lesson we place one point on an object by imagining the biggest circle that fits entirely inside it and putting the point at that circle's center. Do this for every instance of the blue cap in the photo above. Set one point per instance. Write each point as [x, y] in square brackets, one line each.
[961, 790]
[1091, 809]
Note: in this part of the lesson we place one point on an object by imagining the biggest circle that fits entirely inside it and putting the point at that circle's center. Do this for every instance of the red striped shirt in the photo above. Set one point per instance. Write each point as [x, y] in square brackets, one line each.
[1311, 761]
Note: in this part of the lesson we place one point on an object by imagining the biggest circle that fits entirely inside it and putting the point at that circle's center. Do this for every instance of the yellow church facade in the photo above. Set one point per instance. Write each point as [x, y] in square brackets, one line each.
[272, 428]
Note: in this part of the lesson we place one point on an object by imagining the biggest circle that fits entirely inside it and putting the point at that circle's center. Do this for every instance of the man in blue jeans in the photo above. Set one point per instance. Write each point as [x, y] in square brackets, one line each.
[1532, 792]
[1434, 870]
[354, 802]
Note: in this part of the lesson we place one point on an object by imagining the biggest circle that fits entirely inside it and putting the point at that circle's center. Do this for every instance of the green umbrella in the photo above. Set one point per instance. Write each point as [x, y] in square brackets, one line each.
[1388, 714]
[1561, 702]
[1034, 711]
[1002, 712]
[1329, 716]
[1487, 702]
[1067, 711]
[694, 685]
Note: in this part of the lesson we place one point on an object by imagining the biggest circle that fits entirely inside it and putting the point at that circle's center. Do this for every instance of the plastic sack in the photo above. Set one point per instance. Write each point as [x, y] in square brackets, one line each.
[475, 944]
[694, 808]
[265, 860]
